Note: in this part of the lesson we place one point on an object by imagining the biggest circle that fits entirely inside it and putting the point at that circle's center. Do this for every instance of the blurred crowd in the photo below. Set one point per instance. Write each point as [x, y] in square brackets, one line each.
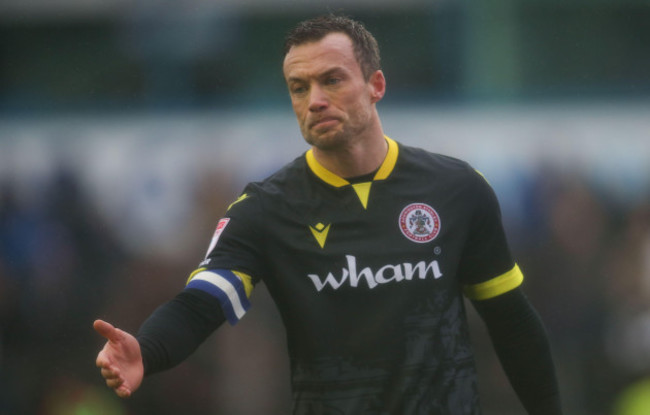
[586, 258]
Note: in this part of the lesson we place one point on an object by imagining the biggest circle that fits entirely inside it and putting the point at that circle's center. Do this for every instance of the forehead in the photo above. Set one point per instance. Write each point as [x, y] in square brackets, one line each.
[334, 50]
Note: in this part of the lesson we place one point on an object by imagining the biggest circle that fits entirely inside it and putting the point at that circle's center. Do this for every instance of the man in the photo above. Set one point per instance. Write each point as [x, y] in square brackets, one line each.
[367, 247]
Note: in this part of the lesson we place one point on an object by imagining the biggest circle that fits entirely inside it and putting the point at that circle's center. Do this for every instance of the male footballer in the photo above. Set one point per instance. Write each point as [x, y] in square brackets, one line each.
[367, 246]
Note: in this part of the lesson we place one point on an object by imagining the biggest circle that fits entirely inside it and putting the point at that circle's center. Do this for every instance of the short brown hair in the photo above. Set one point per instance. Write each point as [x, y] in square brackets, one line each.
[366, 50]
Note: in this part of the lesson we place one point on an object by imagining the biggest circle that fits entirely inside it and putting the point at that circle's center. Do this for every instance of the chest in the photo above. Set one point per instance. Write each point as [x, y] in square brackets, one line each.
[398, 233]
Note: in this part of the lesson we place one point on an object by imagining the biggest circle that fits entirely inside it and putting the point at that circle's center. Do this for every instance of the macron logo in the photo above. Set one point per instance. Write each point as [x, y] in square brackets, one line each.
[384, 275]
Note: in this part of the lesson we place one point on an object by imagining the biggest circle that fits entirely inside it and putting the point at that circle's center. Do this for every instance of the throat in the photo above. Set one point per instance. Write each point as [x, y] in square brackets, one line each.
[362, 178]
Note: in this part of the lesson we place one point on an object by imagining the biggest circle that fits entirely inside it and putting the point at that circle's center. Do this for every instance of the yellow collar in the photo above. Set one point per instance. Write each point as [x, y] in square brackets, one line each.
[362, 189]
[331, 178]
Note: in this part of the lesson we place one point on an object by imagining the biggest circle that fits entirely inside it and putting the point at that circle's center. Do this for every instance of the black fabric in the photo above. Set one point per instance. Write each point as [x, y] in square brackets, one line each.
[369, 290]
[361, 179]
[520, 341]
[177, 328]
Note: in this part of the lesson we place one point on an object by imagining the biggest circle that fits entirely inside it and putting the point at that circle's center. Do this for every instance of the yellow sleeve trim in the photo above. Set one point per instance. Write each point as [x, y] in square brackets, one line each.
[496, 286]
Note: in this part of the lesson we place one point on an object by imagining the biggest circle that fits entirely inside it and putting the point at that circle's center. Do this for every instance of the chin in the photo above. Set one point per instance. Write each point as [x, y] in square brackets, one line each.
[329, 141]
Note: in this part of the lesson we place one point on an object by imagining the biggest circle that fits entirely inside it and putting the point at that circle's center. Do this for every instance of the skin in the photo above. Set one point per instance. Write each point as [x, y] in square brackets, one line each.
[337, 115]
[336, 106]
[120, 360]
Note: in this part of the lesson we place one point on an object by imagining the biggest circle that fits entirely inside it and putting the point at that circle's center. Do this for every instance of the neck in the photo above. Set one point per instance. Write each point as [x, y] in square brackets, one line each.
[357, 159]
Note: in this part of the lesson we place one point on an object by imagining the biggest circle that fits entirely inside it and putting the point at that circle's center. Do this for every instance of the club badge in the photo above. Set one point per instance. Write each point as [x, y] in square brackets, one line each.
[419, 222]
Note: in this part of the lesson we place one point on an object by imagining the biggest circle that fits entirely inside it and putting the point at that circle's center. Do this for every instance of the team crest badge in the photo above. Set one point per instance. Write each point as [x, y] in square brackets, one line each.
[419, 222]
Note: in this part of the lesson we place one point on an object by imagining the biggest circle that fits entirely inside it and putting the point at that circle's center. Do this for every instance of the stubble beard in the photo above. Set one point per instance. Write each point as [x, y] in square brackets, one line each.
[331, 140]
[337, 138]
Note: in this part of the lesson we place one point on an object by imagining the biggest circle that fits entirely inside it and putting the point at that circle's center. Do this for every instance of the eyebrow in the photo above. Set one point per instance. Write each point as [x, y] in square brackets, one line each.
[322, 75]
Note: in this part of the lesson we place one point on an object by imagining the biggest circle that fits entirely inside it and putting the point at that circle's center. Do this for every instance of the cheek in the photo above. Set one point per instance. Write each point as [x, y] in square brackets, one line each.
[298, 109]
[357, 100]
[358, 108]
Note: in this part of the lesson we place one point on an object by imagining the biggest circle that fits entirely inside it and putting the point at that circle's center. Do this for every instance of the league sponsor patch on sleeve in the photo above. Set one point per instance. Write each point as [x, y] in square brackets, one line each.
[217, 233]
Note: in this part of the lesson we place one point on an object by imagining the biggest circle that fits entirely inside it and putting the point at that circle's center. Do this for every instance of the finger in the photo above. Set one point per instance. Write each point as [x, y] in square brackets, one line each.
[104, 359]
[107, 330]
[110, 373]
[114, 383]
[123, 392]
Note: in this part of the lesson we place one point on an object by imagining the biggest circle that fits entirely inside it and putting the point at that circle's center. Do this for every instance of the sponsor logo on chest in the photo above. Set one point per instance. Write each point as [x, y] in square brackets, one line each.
[419, 223]
[352, 276]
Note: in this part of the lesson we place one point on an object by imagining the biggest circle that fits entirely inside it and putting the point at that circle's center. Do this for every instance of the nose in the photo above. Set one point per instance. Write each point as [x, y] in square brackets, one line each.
[317, 99]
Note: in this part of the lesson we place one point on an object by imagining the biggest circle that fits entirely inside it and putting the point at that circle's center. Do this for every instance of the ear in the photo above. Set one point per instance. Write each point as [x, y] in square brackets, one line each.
[377, 84]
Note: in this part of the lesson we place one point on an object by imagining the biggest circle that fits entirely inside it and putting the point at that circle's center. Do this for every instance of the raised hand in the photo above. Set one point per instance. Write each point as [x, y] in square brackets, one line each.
[120, 360]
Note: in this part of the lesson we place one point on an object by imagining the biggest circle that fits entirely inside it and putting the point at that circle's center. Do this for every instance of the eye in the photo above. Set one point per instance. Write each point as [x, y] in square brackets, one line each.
[332, 80]
[298, 89]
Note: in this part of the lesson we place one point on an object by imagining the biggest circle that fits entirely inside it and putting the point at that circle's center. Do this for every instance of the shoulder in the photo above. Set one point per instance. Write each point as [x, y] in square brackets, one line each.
[419, 157]
[442, 174]
[281, 184]
[284, 179]
[422, 162]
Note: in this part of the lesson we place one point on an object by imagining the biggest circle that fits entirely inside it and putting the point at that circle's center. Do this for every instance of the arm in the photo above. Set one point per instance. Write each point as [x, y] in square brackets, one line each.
[521, 344]
[177, 328]
[165, 339]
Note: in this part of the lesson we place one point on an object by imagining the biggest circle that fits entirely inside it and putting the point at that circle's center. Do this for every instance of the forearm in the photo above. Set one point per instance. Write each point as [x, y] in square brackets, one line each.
[177, 328]
[521, 343]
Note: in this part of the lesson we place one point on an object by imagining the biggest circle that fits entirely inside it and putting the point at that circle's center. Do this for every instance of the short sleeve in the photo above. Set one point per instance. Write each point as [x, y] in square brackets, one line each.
[233, 263]
[487, 268]
[238, 241]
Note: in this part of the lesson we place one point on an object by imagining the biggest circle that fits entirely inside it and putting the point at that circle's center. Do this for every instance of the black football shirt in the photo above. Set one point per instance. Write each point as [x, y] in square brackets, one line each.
[369, 278]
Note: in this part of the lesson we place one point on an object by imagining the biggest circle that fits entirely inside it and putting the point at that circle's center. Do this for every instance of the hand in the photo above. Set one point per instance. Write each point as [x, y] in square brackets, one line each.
[120, 360]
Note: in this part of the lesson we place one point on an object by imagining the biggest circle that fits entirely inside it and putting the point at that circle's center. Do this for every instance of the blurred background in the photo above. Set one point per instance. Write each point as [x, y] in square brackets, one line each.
[126, 129]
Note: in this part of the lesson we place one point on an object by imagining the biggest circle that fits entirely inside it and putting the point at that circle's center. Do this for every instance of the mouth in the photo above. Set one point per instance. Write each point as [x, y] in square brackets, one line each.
[323, 122]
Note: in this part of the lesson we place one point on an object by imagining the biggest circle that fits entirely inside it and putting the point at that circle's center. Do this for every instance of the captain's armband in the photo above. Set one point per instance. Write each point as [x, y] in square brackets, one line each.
[232, 288]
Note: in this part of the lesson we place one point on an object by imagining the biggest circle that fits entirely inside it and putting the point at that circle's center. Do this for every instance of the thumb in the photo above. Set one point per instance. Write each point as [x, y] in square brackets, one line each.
[107, 330]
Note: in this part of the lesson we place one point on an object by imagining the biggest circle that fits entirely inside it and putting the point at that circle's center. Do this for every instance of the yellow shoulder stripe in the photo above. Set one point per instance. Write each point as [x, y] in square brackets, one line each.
[496, 286]
[239, 199]
[483, 176]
